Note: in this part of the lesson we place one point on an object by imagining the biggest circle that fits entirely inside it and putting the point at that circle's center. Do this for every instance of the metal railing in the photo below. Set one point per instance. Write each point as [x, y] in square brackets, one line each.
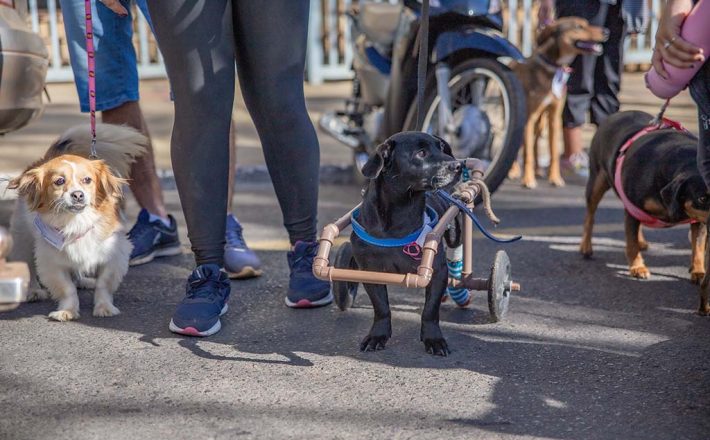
[48, 22]
[329, 47]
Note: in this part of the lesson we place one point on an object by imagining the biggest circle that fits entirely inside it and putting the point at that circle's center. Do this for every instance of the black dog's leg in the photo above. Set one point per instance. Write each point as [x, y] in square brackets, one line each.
[381, 329]
[431, 335]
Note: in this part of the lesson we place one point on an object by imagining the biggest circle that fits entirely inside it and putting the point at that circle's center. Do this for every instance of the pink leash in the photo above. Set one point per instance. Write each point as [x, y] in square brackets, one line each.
[92, 75]
[636, 212]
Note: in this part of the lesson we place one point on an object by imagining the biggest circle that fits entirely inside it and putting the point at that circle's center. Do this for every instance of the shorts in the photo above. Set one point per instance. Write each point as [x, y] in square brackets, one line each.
[116, 64]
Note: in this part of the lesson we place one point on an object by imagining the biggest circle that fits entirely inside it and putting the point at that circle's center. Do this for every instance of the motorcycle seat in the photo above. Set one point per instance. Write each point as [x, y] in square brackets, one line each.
[378, 21]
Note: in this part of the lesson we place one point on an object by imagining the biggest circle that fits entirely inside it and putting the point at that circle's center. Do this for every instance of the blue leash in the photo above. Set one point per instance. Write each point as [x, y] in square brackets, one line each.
[444, 195]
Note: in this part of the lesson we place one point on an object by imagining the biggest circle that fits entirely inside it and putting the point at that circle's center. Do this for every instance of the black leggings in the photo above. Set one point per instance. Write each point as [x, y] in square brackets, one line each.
[200, 41]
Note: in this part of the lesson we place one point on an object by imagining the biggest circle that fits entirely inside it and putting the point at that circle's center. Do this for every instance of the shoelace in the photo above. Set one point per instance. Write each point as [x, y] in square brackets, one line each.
[207, 288]
[236, 239]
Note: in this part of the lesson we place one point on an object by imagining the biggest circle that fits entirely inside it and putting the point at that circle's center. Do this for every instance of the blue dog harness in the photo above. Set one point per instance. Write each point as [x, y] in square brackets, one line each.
[411, 244]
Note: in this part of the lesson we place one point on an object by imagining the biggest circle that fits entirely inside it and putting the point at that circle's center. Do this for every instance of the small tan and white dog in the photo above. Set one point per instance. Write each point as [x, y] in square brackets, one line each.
[67, 221]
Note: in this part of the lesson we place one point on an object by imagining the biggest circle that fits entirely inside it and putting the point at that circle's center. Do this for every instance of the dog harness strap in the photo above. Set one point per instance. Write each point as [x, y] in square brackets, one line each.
[645, 218]
[431, 218]
[91, 62]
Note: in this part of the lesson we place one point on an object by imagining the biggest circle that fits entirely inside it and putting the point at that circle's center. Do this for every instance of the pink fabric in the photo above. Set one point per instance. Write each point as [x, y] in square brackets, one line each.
[645, 218]
[92, 71]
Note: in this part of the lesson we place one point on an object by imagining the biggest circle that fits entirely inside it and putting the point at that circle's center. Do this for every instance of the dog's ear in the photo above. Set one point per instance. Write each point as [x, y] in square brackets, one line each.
[374, 165]
[672, 197]
[29, 186]
[546, 33]
[107, 184]
[445, 147]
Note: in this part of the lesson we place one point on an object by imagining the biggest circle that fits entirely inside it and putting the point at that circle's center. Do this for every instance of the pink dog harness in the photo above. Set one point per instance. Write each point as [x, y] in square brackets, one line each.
[645, 218]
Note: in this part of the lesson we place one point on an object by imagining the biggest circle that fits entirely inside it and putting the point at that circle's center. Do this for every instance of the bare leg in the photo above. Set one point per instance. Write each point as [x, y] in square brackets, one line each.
[144, 182]
[573, 140]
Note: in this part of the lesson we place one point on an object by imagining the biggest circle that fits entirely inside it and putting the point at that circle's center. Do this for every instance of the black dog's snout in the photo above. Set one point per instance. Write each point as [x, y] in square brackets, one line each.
[455, 166]
[77, 196]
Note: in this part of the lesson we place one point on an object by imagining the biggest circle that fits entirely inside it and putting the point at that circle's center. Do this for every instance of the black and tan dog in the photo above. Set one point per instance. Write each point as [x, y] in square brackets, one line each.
[541, 75]
[400, 172]
[659, 176]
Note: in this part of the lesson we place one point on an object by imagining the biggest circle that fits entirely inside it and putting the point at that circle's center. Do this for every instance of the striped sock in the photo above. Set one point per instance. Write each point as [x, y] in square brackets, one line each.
[454, 262]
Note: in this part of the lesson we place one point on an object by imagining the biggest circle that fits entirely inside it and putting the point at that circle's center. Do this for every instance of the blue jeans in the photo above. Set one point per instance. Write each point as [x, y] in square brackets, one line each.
[116, 69]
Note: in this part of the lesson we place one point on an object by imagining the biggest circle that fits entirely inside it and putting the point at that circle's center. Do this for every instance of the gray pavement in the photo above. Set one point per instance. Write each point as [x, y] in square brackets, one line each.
[585, 352]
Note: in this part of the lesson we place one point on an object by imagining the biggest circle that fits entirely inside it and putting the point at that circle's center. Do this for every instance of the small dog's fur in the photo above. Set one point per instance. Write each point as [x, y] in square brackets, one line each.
[659, 175]
[557, 46]
[81, 198]
[400, 172]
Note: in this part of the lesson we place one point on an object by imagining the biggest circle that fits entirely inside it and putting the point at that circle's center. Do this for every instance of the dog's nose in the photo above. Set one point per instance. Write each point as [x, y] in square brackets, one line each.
[77, 196]
[455, 166]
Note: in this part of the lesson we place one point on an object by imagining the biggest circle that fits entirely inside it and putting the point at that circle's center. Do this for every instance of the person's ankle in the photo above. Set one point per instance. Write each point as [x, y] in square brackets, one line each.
[162, 218]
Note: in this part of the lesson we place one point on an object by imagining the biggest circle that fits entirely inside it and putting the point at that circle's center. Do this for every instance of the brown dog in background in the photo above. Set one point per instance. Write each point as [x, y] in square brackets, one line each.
[557, 46]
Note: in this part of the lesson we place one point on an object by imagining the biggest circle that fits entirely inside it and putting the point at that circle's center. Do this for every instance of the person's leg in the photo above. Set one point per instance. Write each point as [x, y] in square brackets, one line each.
[144, 182]
[196, 42]
[607, 72]
[195, 38]
[270, 46]
[580, 87]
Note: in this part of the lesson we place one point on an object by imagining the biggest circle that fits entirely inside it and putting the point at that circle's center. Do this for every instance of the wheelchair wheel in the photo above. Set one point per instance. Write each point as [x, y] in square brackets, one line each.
[499, 287]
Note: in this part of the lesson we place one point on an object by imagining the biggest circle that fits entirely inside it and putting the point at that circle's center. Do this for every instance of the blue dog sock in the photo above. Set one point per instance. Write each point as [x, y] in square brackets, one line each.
[454, 262]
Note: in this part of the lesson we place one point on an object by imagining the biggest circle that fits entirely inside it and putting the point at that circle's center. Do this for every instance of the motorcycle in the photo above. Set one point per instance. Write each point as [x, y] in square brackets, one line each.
[471, 98]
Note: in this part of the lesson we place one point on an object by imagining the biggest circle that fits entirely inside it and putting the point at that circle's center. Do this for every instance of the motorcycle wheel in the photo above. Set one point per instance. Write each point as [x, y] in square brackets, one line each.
[471, 86]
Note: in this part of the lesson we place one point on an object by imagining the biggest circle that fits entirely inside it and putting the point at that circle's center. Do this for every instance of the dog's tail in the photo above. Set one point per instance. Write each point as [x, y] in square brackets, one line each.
[117, 145]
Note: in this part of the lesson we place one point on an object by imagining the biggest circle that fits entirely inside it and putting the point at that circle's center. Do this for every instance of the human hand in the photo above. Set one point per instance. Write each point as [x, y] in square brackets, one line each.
[115, 6]
[670, 47]
[545, 14]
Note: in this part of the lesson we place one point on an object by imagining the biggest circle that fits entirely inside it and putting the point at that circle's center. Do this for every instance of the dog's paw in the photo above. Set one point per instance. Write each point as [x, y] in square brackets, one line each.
[515, 172]
[696, 276]
[641, 272]
[529, 183]
[586, 250]
[37, 294]
[437, 347]
[704, 310]
[374, 342]
[104, 310]
[556, 181]
[63, 315]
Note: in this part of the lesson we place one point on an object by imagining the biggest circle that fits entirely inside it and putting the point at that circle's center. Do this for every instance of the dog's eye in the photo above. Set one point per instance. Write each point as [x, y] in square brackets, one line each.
[86, 180]
[421, 154]
[60, 181]
[702, 199]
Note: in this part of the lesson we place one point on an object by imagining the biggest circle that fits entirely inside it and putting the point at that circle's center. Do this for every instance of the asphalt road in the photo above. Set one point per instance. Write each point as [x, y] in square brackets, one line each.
[585, 352]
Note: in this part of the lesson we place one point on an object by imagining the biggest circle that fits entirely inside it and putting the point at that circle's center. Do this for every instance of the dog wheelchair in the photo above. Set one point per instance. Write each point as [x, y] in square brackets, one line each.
[345, 275]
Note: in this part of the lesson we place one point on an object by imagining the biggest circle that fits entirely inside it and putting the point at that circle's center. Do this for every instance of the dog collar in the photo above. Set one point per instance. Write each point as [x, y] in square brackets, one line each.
[54, 236]
[431, 218]
[639, 214]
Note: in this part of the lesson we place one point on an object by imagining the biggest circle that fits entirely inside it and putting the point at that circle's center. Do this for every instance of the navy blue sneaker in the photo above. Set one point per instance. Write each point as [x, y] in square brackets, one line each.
[239, 260]
[304, 289]
[153, 239]
[205, 301]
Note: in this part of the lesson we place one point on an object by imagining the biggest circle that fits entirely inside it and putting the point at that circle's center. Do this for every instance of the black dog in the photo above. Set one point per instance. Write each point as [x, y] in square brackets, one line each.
[659, 176]
[401, 171]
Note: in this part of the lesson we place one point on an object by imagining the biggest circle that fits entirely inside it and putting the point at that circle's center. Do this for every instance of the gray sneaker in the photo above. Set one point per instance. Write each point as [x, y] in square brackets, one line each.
[239, 261]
